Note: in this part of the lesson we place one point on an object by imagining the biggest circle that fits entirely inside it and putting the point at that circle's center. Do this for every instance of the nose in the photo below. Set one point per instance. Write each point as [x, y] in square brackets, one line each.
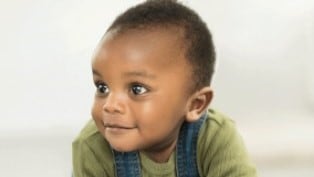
[113, 104]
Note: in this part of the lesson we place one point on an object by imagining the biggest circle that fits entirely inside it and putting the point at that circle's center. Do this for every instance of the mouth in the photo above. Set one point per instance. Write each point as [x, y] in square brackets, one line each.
[113, 129]
[117, 126]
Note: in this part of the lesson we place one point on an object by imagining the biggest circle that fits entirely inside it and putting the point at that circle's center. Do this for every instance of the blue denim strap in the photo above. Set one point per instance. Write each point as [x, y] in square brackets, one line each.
[187, 147]
[127, 164]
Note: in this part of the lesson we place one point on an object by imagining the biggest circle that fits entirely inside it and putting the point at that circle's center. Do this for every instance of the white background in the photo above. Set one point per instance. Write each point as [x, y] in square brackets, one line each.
[264, 78]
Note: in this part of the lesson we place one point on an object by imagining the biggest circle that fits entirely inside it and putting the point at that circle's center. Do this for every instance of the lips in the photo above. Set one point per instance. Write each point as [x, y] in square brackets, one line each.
[117, 126]
[116, 123]
[117, 129]
[113, 122]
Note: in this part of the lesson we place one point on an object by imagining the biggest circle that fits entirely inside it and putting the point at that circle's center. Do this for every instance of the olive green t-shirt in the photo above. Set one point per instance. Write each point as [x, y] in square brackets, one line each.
[220, 153]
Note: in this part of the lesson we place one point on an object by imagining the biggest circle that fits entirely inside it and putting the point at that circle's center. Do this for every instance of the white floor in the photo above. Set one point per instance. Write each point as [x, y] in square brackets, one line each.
[36, 157]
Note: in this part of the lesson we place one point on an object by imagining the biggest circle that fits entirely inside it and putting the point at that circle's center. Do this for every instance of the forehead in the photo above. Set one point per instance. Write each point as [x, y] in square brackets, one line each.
[162, 47]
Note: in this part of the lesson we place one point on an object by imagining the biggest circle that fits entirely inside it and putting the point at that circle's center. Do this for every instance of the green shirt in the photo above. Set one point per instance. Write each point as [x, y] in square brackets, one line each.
[220, 153]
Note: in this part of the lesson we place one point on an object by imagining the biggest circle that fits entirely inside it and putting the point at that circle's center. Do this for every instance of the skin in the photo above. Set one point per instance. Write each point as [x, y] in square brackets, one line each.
[142, 80]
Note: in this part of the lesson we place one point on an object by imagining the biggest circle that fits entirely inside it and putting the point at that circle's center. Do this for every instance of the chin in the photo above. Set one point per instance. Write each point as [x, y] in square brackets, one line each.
[122, 143]
[123, 148]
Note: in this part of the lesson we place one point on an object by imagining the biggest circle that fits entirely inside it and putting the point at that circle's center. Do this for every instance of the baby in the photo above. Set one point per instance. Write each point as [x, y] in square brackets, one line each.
[152, 72]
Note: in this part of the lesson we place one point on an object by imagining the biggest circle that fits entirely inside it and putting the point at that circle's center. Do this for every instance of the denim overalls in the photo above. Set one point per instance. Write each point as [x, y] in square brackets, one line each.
[128, 164]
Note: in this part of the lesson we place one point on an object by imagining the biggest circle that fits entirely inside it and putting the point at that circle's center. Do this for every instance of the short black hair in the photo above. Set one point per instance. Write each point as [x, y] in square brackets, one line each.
[199, 46]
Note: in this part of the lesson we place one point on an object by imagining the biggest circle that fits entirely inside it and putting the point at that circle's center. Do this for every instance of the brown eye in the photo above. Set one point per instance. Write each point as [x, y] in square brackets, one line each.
[102, 88]
[138, 89]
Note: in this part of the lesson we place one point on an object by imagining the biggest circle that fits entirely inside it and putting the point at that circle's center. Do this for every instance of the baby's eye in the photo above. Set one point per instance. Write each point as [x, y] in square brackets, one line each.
[102, 88]
[137, 89]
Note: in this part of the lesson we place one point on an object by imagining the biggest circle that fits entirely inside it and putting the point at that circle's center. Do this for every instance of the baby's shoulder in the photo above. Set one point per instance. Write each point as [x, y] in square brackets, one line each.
[218, 120]
[88, 132]
[90, 148]
[91, 137]
[215, 129]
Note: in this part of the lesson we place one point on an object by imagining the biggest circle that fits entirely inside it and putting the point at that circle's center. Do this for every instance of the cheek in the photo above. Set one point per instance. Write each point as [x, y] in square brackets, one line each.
[161, 109]
[171, 102]
[96, 110]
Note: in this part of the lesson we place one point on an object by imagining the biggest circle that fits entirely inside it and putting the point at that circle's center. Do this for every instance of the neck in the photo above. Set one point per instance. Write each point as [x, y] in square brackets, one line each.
[161, 155]
[161, 152]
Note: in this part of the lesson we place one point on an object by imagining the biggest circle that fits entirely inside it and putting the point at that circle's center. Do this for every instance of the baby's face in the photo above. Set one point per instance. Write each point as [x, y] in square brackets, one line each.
[142, 81]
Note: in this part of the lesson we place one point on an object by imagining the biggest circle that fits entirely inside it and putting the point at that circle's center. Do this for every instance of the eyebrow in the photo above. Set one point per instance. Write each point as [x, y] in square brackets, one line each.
[131, 74]
[139, 74]
[96, 73]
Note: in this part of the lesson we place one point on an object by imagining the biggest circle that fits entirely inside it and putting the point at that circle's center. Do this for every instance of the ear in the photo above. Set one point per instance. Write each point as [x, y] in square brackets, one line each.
[198, 103]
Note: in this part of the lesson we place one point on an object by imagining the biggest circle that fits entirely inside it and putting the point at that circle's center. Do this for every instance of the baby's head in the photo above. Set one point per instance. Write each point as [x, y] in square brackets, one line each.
[152, 70]
[191, 31]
